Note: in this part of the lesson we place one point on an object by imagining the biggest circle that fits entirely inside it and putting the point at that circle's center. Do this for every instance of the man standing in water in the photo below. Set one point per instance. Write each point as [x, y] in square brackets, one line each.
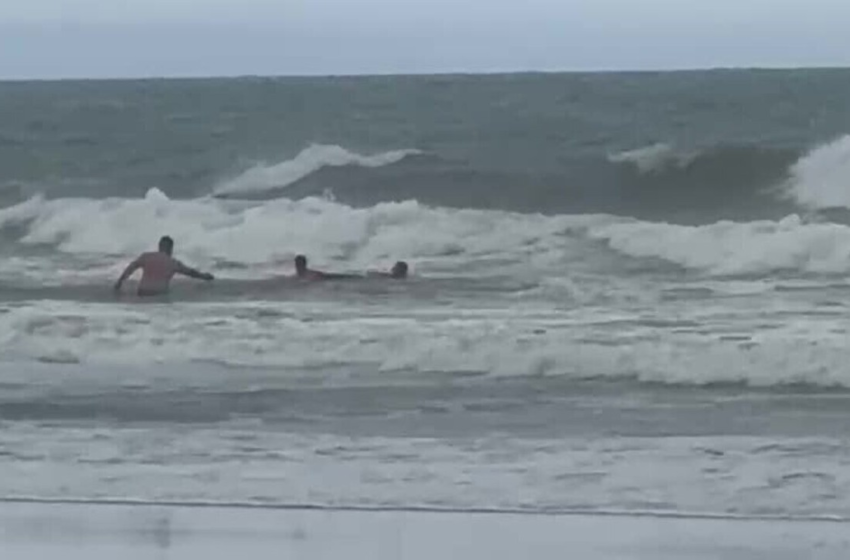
[157, 270]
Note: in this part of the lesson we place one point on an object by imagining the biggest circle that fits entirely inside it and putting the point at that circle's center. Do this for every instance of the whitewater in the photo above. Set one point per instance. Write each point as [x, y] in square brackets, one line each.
[626, 297]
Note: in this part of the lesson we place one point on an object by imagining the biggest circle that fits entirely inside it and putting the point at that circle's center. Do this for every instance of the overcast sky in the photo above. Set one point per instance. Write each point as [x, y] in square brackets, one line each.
[120, 38]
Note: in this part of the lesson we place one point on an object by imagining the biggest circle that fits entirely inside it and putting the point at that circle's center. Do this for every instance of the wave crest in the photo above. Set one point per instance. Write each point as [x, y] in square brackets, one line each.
[821, 179]
[731, 248]
[257, 236]
[654, 158]
[263, 178]
[265, 233]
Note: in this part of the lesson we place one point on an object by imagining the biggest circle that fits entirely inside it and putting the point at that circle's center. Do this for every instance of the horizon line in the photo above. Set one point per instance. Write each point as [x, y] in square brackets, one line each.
[421, 74]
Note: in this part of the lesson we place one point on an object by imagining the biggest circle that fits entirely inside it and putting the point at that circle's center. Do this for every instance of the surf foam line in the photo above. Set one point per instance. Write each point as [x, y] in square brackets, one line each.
[269, 233]
[294, 338]
[729, 248]
[306, 506]
[209, 230]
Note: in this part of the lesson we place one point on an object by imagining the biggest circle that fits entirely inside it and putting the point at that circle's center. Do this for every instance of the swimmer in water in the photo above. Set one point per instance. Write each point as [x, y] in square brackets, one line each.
[304, 272]
[399, 271]
[157, 270]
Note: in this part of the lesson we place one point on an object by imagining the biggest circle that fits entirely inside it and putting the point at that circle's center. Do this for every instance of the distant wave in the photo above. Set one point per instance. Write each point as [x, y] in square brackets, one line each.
[700, 167]
[654, 158]
[280, 175]
[660, 181]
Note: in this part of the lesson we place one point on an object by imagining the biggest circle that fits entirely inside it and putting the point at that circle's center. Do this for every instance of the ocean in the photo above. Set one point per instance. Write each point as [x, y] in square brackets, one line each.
[629, 292]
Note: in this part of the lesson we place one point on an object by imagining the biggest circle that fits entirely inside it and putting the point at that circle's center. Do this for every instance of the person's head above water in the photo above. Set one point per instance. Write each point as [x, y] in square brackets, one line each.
[399, 270]
[300, 265]
[166, 245]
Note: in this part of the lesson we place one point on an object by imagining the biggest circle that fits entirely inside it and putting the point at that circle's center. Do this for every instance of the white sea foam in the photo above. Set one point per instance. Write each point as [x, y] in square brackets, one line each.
[724, 248]
[401, 342]
[267, 233]
[275, 176]
[821, 179]
[710, 475]
[571, 340]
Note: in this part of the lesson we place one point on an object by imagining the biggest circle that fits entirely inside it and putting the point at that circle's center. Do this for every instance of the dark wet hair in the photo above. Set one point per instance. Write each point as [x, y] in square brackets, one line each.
[400, 269]
[300, 261]
[166, 244]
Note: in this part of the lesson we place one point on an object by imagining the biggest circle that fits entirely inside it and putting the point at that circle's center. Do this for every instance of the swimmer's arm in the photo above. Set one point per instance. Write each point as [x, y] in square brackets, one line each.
[192, 273]
[131, 268]
[337, 275]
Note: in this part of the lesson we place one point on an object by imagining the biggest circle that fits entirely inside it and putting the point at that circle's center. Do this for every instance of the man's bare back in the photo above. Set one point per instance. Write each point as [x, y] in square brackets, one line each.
[158, 268]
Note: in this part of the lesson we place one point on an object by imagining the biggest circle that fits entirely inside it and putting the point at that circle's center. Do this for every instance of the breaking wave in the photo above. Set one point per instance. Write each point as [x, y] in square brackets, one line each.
[263, 178]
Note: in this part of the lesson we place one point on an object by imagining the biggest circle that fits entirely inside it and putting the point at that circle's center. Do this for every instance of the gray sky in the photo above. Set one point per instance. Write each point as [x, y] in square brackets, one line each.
[115, 38]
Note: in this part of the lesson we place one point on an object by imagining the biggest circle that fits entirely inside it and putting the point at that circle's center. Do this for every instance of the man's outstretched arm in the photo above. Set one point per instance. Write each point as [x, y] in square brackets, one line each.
[131, 268]
[192, 273]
